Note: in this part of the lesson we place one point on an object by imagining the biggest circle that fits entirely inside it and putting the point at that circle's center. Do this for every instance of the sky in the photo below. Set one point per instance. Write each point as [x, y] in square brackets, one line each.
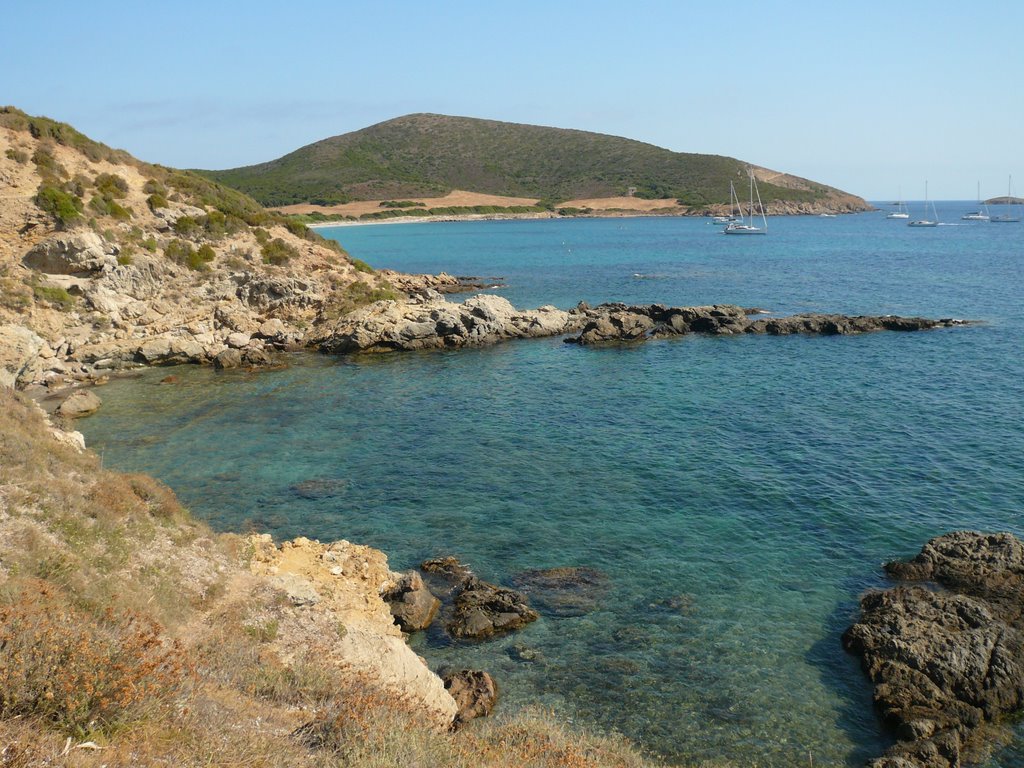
[874, 98]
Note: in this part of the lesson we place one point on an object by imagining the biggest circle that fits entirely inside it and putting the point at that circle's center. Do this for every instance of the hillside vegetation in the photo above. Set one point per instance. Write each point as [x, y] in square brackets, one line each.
[429, 155]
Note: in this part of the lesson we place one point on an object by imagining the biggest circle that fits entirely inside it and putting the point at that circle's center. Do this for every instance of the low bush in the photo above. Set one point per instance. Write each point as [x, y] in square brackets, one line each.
[55, 296]
[64, 207]
[278, 252]
[154, 187]
[156, 200]
[186, 226]
[80, 674]
[111, 185]
[401, 204]
[47, 164]
[362, 266]
[17, 155]
[201, 258]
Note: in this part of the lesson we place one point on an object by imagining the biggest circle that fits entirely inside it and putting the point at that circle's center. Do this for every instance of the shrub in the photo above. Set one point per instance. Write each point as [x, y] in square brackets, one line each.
[278, 252]
[17, 155]
[63, 207]
[362, 266]
[54, 295]
[200, 259]
[105, 205]
[296, 227]
[156, 200]
[79, 674]
[154, 187]
[47, 164]
[149, 244]
[401, 204]
[111, 185]
[186, 226]
[262, 236]
[178, 251]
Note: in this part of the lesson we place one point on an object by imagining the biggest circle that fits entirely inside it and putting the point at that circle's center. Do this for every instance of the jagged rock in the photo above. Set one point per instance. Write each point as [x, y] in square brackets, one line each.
[19, 347]
[268, 293]
[256, 357]
[566, 591]
[72, 253]
[474, 691]
[944, 663]
[412, 604]
[437, 324]
[170, 215]
[237, 339]
[227, 358]
[483, 610]
[170, 351]
[82, 402]
[271, 329]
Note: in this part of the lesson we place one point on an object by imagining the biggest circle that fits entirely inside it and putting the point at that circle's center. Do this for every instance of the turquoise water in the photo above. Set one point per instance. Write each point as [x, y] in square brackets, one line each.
[740, 493]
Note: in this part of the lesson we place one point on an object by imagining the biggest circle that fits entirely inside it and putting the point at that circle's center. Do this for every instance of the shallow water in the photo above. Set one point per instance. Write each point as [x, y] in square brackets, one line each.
[739, 493]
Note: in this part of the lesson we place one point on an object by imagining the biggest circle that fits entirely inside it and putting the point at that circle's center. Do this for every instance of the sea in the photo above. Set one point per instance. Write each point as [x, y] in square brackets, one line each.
[734, 496]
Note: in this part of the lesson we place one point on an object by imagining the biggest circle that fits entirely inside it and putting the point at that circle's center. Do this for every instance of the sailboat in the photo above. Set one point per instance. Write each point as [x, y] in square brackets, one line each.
[981, 214]
[925, 222]
[742, 228]
[1008, 217]
[901, 210]
[734, 204]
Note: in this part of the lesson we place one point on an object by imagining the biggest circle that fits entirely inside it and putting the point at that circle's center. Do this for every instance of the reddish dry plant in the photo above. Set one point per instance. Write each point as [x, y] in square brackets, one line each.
[81, 674]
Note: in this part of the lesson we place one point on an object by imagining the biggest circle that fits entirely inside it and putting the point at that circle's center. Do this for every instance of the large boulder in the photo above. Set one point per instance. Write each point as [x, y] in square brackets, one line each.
[474, 691]
[412, 604]
[945, 663]
[81, 402]
[19, 347]
[483, 610]
[82, 252]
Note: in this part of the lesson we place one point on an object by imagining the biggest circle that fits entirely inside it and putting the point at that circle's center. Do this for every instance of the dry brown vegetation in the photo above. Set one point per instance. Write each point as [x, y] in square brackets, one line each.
[131, 635]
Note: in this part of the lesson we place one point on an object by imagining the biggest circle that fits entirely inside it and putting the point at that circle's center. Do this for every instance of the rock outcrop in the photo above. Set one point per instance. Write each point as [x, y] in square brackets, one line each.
[412, 604]
[81, 402]
[334, 608]
[474, 691]
[72, 253]
[479, 609]
[19, 348]
[619, 322]
[430, 322]
[946, 662]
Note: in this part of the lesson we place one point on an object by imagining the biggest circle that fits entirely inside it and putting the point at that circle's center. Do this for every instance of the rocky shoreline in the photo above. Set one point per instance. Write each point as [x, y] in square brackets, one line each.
[945, 648]
[428, 321]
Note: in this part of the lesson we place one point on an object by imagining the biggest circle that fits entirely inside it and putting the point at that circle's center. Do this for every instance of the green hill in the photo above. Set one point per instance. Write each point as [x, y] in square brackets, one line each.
[426, 155]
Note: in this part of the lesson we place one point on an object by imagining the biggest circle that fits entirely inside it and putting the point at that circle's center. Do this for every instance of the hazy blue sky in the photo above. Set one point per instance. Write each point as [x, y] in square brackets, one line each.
[871, 97]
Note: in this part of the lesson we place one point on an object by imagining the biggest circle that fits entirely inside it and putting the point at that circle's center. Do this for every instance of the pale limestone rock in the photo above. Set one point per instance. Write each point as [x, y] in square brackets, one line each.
[82, 402]
[72, 253]
[237, 340]
[19, 347]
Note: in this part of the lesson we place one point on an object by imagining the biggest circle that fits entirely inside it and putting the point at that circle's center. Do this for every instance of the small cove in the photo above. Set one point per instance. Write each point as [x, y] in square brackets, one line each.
[738, 493]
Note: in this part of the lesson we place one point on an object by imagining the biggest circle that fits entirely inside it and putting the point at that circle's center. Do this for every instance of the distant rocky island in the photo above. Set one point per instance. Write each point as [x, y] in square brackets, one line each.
[438, 165]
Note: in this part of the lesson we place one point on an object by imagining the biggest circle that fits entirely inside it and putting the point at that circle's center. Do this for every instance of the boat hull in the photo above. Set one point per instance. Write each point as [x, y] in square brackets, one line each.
[923, 224]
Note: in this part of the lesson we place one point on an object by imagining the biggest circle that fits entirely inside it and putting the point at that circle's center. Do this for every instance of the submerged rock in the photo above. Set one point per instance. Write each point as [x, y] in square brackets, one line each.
[566, 591]
[945, 663]
[483, 610]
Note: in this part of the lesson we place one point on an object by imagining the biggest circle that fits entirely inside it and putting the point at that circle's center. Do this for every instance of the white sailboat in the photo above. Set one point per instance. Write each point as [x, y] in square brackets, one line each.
[901, 209]
[1009, 217]
[925, 222]
[734, 205]
[741, 227]
[979, 215]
